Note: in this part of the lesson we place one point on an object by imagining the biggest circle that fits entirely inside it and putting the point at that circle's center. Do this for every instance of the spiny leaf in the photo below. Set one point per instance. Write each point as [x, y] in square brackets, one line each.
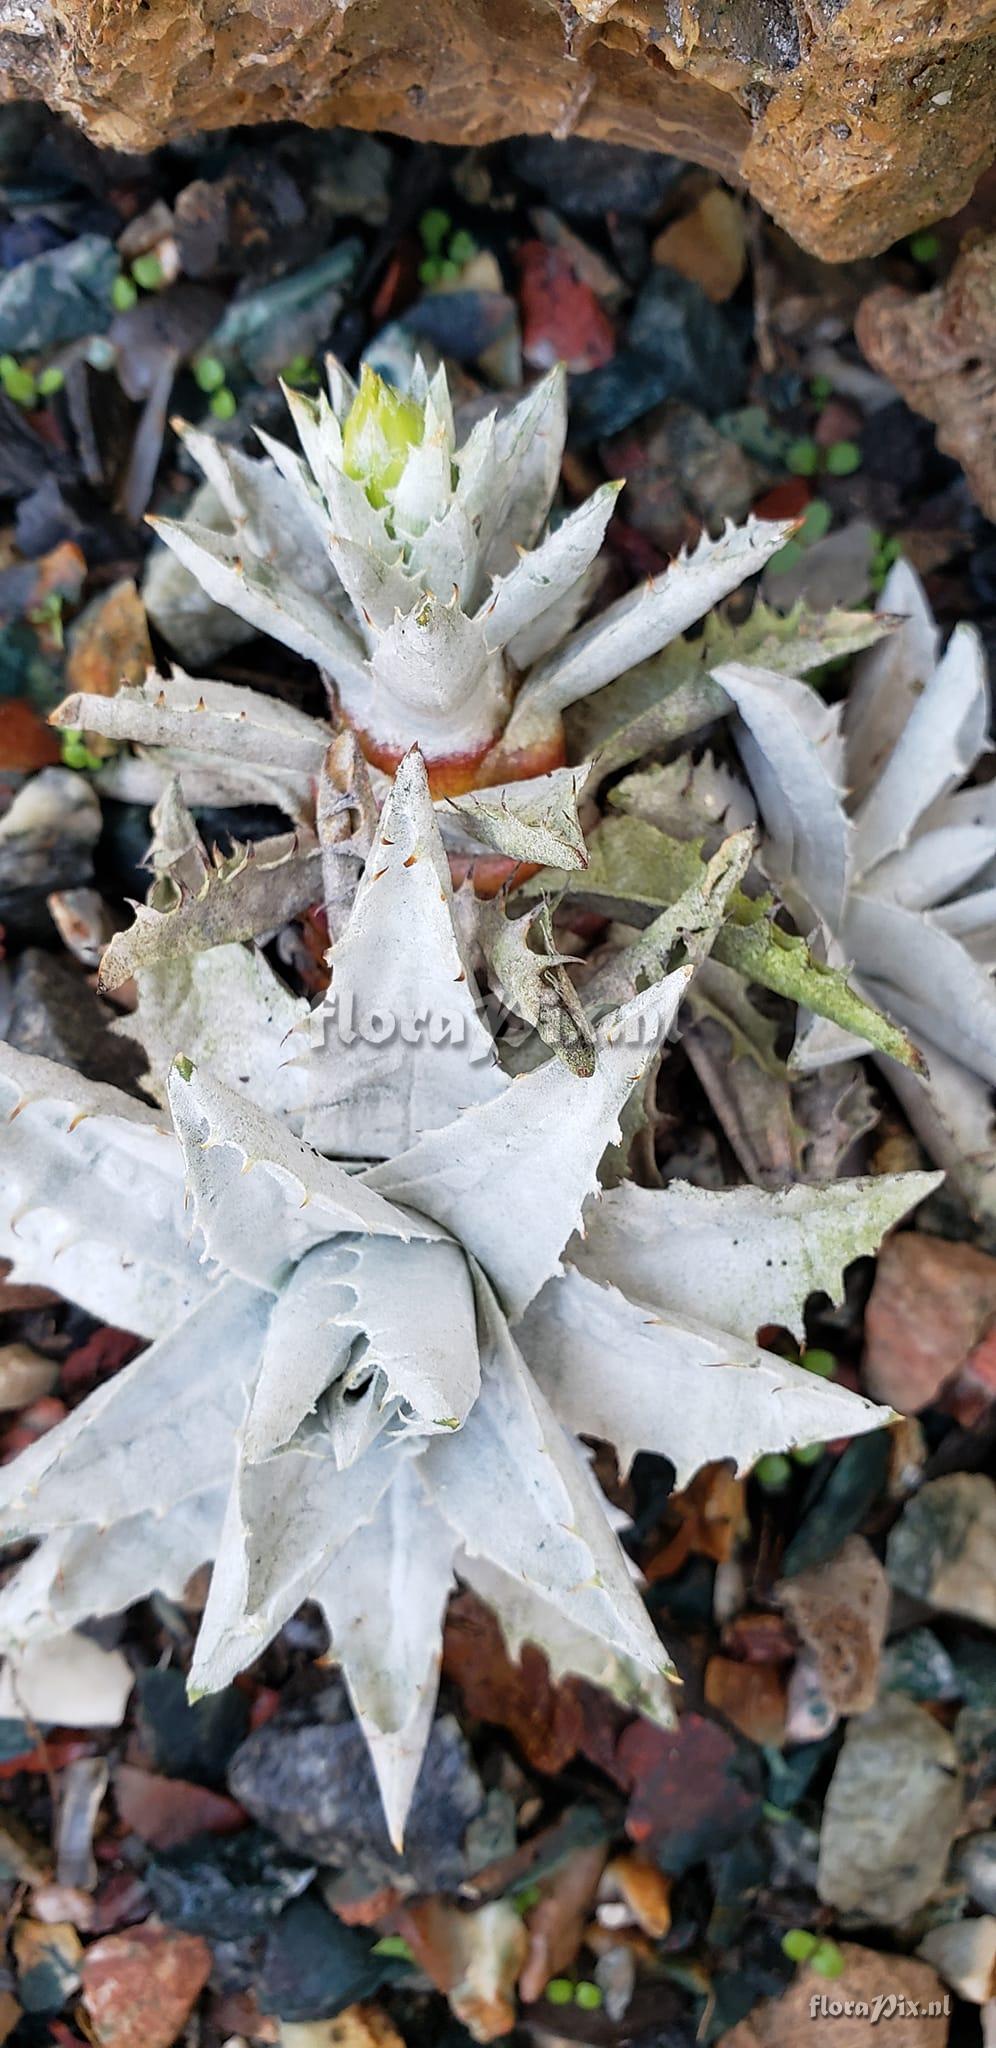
[643, 621]
[511, 1175]
[532, 977]
[642, 1380]
[253, 890]
[532, 820]
[673, 694]
[631, 864]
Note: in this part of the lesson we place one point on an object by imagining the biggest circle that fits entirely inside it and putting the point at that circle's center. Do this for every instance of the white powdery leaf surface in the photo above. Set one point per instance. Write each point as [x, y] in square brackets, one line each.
[260, 1196]
[544, 575]
[935, 865]
[384, 1600]
[401, 1046]
[646, 619]
[264, 596]
[80, 1572]
[521, 1495]
[533, 820]
[941, 741]
[796, 766]
[889, 678]
[511, 495]
[913, 727]
[751, 1257]
[642, 1380]
[431, 672]
[192, 711]
[94, 1197]
[160, 1431]
[412, 1309]
[926, 976]
[270, 513]
[510, 1178]
[215, 1005]
[286, 1521]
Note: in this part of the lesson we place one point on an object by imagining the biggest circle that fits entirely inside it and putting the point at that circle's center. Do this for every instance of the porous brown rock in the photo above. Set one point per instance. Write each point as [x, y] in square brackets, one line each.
[939, 349]
[852, 121]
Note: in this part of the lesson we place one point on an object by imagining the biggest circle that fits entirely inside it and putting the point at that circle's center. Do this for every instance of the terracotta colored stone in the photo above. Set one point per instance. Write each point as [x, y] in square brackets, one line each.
[786, 2021]
[758, 1639]
[21, 1295]
[140, 1988]
[519, 1694]
[562, 320]
[939, 349]
[108, 645]
[751, 1696]
[645, 1890]
[932, 1303]
[853, 123]
[709, 1510]
[168, 1811]
[25, 740]
[708, 244]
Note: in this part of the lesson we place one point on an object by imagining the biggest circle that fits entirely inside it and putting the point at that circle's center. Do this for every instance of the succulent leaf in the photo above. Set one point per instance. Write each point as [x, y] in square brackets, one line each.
[252, 891]
[913, 728]
[643, 621]
[411, 1318]
[215, 1003]
[80, 1571]
[277, 750]
[400, 1045]
[159, 1432]
[673, 693]
[93, 1197]
[942, 740]
[346, 1378]
[400, 1567]
[928, 977]
[795, 767]
[545, 575]
[558, 1543]
[888, 679]
[510, 1176]
[261, 1197]
[614, 1368]
[534, 820]
[444, 590]
[765, 1254]
[694, 921]
[286, 1521]
[380, 428]
[268, 602]
[531, 976]
[632, 865]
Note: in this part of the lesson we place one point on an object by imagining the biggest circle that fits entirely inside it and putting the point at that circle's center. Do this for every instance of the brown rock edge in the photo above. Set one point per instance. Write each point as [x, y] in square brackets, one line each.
[852, 121]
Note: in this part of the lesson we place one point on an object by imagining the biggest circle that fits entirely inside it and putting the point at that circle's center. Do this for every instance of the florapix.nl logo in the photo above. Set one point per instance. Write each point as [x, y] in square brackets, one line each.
[886, 2005]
